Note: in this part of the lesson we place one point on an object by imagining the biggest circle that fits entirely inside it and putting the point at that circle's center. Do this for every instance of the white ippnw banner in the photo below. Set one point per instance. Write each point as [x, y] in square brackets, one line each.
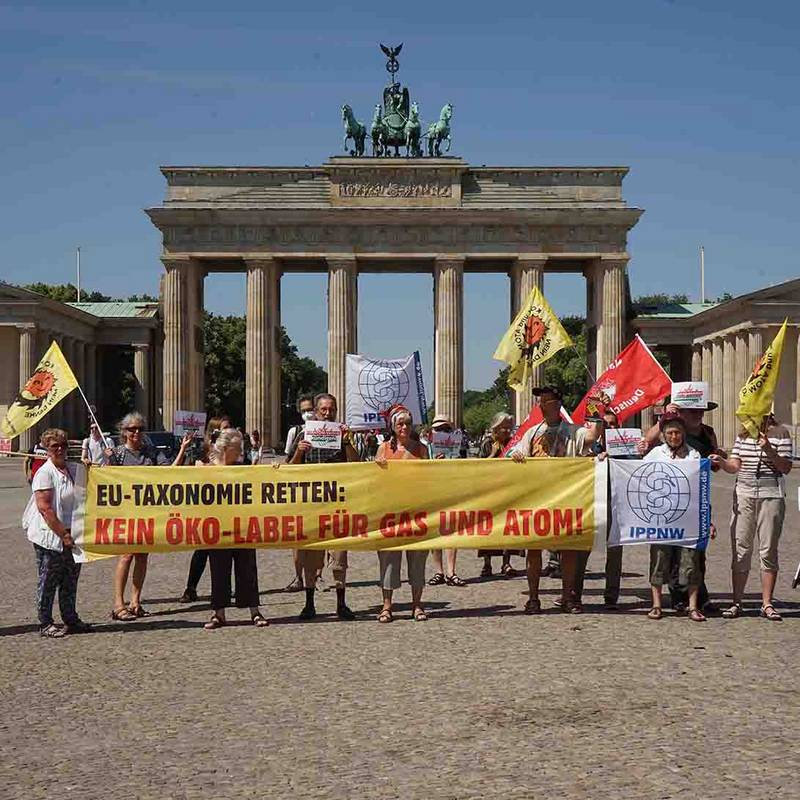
[374, 385]
[660, 502]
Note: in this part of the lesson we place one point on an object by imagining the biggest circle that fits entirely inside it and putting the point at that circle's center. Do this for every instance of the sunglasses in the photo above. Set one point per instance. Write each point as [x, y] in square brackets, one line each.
[134, 430]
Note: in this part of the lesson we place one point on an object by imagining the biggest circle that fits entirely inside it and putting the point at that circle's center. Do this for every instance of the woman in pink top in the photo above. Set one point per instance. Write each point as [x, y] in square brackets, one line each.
[401, 445]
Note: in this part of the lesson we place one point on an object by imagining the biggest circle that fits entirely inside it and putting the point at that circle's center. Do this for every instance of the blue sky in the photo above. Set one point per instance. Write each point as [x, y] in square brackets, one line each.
[698, 97]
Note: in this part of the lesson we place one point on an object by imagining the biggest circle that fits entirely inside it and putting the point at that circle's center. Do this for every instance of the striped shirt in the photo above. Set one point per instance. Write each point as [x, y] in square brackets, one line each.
[757, 473]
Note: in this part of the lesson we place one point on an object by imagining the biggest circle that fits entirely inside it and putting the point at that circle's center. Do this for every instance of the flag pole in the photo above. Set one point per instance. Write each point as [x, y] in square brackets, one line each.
[91, 413]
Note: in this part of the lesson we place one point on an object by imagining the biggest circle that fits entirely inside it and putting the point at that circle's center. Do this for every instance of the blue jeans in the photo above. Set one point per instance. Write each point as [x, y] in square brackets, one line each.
[57, 572]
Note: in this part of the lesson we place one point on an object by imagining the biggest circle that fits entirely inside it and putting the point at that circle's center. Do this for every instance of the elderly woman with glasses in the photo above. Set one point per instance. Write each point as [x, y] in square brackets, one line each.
[402, 445]
[226, 450]
[135, 451]
[493, 446]
[48, 523]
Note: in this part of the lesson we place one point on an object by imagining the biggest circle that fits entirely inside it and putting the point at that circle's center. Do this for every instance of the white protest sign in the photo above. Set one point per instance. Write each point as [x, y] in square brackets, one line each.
[690, 394]
[323, 435]
[446, 444]
[660, 502]
[622, 441]
[185, 421]
[374, 385]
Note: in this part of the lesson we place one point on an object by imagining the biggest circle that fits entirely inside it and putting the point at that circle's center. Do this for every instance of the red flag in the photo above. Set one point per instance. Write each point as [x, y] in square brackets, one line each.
[534, 418]
[634, 381]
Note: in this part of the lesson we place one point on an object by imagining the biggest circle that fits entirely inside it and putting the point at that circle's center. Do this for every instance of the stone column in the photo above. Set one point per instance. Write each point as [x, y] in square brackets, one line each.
[729, 390]
[342, 323]
[177, 339]
[27, 363]
[263, 280]
[79, 411]
[717, 394]
[448, 327]
[612, 313]
[697, 362]
[525, 273]
[158, 381]
[67, 406]
[796, 404]
[141, 374]
[195, 304]
[742, 370]
[90, 354]
[755, 347]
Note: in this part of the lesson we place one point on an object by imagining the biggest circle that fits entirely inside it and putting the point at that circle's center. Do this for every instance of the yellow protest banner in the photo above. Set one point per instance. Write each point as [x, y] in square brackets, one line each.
[756, 396]
[492, 503]
[535, 335]
[50, 383]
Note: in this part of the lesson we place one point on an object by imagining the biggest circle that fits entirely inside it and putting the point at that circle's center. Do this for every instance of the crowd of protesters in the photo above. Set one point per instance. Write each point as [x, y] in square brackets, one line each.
[758, 510]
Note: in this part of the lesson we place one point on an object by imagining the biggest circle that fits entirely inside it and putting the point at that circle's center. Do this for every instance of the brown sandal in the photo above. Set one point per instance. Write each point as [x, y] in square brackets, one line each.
[259, 620]
[214, 623]
[533, 605]
[385, 615]
[123, 614]
[768, 612]
[654, 613]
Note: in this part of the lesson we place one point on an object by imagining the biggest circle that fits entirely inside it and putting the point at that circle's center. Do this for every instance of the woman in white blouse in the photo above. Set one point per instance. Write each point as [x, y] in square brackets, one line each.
[48, 522]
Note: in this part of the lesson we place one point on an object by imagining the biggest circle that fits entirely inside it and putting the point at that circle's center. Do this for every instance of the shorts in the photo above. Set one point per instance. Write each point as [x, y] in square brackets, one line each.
[662, 559]
[315, 559]
[753, 517]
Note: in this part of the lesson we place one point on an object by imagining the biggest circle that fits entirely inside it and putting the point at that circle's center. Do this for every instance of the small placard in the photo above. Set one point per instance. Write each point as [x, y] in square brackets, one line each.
[622, 441]
[690, 394]
[323, 435]
[5, 445]
[185, 421]
[446, 445]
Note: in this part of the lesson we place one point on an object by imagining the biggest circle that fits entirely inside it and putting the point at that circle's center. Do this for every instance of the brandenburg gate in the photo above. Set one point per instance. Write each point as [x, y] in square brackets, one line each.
[353, 215]
[428, 213]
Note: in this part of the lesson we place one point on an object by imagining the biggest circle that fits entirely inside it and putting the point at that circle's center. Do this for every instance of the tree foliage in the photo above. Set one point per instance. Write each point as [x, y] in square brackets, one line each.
[66, 293]
[225, 353]
[650, 300]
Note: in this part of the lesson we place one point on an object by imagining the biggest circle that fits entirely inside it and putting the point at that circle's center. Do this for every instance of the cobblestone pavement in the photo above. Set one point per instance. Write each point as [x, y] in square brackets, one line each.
[481, 701]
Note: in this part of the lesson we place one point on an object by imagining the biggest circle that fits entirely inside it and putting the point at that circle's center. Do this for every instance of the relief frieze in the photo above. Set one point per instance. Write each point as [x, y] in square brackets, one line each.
[317, 237]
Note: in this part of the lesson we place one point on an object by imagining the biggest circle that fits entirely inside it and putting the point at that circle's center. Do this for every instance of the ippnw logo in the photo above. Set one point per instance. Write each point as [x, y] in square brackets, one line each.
[659, 493]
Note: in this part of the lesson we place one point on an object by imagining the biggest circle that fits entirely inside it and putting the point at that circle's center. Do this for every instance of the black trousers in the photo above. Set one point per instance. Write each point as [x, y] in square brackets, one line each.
[243, 563]
[197, 566]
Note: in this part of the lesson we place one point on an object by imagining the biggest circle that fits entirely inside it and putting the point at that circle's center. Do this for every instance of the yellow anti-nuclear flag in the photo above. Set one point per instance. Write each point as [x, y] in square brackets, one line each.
[756, 396]
[50, 383]
[535, 335]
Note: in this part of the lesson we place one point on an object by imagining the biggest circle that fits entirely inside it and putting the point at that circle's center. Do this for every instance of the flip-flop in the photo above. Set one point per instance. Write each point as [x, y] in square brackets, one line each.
[259, 620]
[655, 613]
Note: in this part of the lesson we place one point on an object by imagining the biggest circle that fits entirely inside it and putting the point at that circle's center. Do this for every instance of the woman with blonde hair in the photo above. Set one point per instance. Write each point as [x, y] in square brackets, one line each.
[135, 451]
[226, 451]
[48, 524]
[402, 445]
